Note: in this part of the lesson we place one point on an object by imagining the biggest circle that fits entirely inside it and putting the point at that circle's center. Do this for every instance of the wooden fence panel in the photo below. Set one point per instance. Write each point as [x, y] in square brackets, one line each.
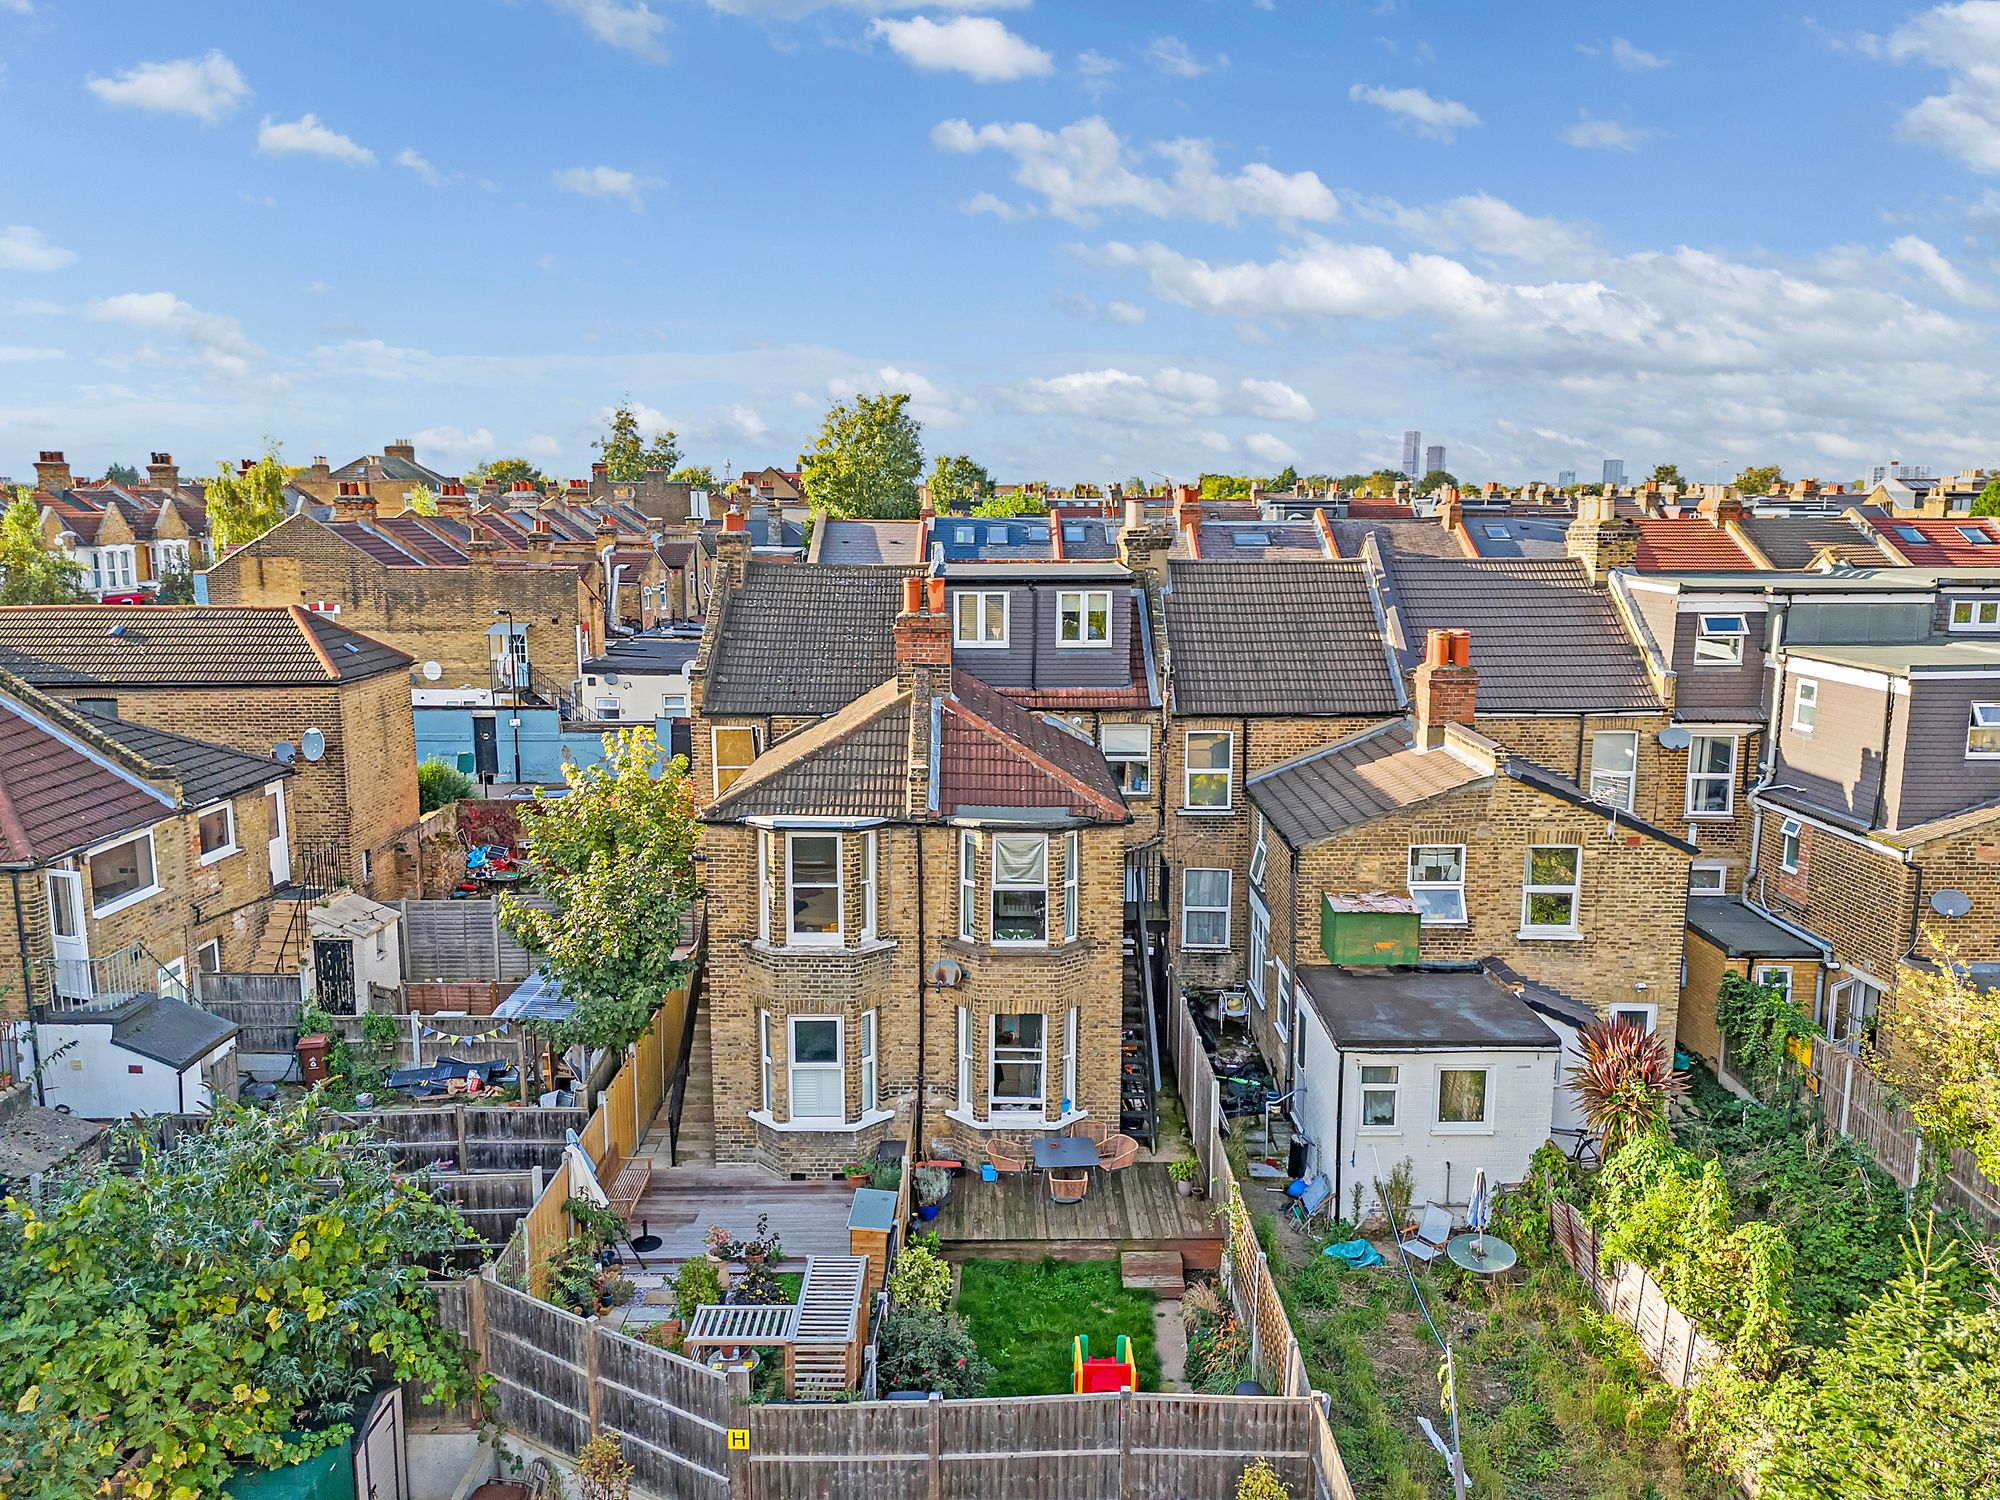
[474, 1138]
[265, 1008]
[1199, 1445]
[1677, 1350]
[539, 1359]
[865, 1451]
[1856, 1104]
[671, 1417]
[1060, 1447]
[1330, 1479]
[451, 940]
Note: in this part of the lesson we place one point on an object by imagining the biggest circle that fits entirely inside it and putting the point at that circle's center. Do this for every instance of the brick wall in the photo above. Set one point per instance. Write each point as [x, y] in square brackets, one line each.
[1705, 967]
[1857, 898]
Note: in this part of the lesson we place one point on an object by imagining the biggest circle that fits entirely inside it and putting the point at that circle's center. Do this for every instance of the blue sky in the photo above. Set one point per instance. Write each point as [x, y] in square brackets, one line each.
[1093, 239]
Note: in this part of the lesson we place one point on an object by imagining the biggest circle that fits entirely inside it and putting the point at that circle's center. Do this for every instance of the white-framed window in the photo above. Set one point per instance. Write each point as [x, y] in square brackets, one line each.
[1718, 640]
[1083, 617]
[1789, 834]
[1805, 705]
[764, 1059]
[121, 874]
[870, 1091]
[1975, 614]
[1711, 776]
[1645, 1017]
[968, 886]
[1614, 766]
[1850, 1008]
[964, 1059]
[815, 1068]
[764, 837]
[1205, 909]
[208, 957]
[734, 747]
[215, 827]
[1380, 1083]
[869, 918]
[980, 620]
[1298, 1047]
[1211, 769]
[1708, 877]
[1260, 950]
[1437, 883]
[1128, 748]
[1461, 1096]
[1982, 731]
[1015, 1059]
[1281, 1007]
[1072, 1039]
[1020, 888]
[1774, 976]
[1550, 892]
[812, 889]
[1072, 884]
[1257, 855]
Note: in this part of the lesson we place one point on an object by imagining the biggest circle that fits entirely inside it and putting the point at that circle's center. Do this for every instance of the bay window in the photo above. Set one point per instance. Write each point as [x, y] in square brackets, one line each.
[1015, 1061]
[968, 887]
[1072, 1026]
[812, 888]
[1020, 888]
[764, 1059]
[1072, 884]
[868, 915]
[870, 1087]
[815, 1068]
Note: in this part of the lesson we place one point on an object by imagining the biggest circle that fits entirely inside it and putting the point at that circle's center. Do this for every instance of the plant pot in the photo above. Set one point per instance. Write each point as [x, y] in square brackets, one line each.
[1186, 1186]
[754, 1259]
[857, 1179]
[928, 1211]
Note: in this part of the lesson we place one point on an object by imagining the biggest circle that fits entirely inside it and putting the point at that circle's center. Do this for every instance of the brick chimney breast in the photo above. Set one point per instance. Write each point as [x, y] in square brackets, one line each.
[402, 448]
[162, 473]
[52, 470]
[923, 639]
[1447, 687]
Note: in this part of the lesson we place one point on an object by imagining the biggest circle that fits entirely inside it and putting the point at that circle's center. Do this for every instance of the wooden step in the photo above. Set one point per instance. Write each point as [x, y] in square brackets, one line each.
[1153, 1271]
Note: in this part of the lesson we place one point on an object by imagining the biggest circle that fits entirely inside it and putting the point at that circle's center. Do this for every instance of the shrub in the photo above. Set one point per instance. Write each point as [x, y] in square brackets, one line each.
[1183, 1168]
[930, 1351]
[921, 1279]
[696, 1284]
[439, 784]
[932, 1185]
[1261, 1482]
[759, 1287]
[1623, 1083]
[602, 1472]
[1760, 1022]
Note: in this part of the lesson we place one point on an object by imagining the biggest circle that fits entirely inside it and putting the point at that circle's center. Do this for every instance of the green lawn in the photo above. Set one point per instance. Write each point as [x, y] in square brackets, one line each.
[1024, 1315]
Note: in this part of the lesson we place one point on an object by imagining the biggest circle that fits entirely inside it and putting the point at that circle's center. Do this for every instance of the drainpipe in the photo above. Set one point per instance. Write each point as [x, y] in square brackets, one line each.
[923, 1076]
[1780, 609]
[27, 982]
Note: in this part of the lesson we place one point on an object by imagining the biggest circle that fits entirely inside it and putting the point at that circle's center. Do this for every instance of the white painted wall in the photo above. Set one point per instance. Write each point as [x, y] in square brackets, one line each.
[641, 696]
[96, 1080]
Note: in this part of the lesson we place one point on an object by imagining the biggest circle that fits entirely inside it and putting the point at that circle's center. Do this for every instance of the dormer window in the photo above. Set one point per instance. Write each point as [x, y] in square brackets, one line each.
[1719, 640]
[981, 620]
[1982, 735]
[1975, 614]
[1084, 617]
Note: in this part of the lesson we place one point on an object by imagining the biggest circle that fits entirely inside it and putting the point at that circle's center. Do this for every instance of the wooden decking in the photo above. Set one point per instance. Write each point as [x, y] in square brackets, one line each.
[1136, 1209]
[681, 1202]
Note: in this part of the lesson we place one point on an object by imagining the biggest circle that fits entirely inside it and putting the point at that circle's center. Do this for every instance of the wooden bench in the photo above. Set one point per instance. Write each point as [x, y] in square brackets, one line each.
[629, 1186]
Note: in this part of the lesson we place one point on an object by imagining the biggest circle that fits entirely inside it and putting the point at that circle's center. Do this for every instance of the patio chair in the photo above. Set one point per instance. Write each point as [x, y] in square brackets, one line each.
[1117, 1152]
[1094, 1131]
[1432, 1232]
[1007, 1154]
[1312, 1207]
[1068, 1187]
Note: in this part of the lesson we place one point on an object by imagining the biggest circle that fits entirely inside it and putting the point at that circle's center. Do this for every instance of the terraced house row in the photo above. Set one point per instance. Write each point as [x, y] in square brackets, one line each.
[1410, 799]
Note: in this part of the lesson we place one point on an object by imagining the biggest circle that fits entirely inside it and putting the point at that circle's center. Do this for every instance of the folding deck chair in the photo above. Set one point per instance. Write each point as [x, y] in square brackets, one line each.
[1433, 1231]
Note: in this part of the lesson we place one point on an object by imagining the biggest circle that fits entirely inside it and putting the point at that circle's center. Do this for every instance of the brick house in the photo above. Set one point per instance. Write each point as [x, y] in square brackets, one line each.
[252, 679]
[915, 902]
[126, 538]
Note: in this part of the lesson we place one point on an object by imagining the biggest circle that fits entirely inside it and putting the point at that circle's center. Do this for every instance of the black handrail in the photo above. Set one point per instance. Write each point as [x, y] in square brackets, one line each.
[697, 994]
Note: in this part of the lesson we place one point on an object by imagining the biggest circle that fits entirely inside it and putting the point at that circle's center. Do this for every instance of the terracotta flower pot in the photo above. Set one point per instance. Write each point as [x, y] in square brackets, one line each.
[1186, 1185]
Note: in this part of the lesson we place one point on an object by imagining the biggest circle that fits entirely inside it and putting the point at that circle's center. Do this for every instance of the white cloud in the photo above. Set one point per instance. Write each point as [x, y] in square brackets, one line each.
[1128, 313]
[1123, 314]
[427, 174]
[603, 182]
[18, 7]
[217, 341]
[1416, 111]
[740, 423]
[540, 445]
[1634, 59]
[1928, 261]
[306, 136]
[206, 88]
[1964, 41]
[1491, 226]
[792, 10]
[25, 248]
[20, 354]
[931, 403]
[1172, 57]
[1277, 402]
[1166, 401]
[456, 443]
[1000, 208]
[629, 25]
[977, 46]
[1271, 450]
[1096, 70]
[1085, 168]
[1589, 134]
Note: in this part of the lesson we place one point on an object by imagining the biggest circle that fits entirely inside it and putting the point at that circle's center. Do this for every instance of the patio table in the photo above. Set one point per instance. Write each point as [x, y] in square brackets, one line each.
[1065, 1151]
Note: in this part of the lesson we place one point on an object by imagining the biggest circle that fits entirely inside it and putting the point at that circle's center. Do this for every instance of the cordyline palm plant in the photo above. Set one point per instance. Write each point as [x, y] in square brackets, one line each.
[1623, 1083]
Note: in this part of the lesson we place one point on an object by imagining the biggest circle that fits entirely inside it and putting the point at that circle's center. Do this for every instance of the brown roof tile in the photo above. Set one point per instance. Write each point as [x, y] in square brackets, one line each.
[187, 645]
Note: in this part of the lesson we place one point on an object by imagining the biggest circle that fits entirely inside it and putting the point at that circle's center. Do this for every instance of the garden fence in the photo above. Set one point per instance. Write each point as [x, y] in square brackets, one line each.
[1857, 1105]
[1677, 1350]
[452, 940]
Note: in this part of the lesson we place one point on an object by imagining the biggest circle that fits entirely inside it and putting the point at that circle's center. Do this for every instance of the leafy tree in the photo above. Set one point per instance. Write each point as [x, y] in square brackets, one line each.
[627, 456]
[1437, 479]
[700, 476]
[957, 482]
[423, 500]
[1668, 474]
[204, 1305]
[243, 506]
[1758, 480]
[616, 856]
[1944, 1057]
[175, 584]
[1381, 484]
[505, 471]
[866, 459]
[1285, 480]
[121, 474]
[32, 572]
[1987, 503]
[1226, 486]
[1020, 503]
[439, 784]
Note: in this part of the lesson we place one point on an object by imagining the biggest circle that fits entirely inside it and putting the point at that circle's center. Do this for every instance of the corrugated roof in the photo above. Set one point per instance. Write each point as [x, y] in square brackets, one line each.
[1355, 782]
[804, 638]
[186, 645]
[1276, 638]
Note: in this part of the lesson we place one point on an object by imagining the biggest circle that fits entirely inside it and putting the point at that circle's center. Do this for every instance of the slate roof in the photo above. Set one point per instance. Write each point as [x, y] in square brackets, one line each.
[1276, 638]
[1355, 782]
[170, 1031]
[391, 467]
[1396, 1010]
[997, 755]
[867, 544]
[1519, 535]
[852, 765]
[55, 798]
[1395, 538]
[1792, 542]
[646, 654]
[1543, 640]
[1252, 541]
[186, 645]
[802, 638]
[206, 772]
[1742, 932]
[1688, 545]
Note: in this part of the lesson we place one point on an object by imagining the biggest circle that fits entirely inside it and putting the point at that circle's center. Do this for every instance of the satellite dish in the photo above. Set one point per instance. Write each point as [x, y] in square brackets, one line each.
[1950, 903]
[283, 753]
[1676, 737]
[312, 744]
[611, 679]
[432, 671]
[947, 973]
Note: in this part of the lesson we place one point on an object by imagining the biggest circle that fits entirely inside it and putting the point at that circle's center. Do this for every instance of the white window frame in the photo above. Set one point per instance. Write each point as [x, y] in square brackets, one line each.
[968, 886]
[1281, 1002]
[1481, 1126]
[214, 946]
[1072, 885]
[870, 1078]
[130, 898]
[1975, 614]
[1187, 910]
[996, 1102]
[1257, 854]
[764, 1057]
[1805, 705]
[1728, 779]
[869, 917]
[1637, 1013]
[1531, 889]
[1975, 536]
[228, 845]
[1391, 1086]
[1716, 867]
[716, 764]
[1081, 601]
[1414, 885]
[834, 939]
[998, 885]
[1850, 1034]
[1622, 785]
[1782, 979]
[1072, 1039]
[1984, 721]
[1259, 951]
[764, 838]
[1189, 771]
[964, 1060]
[837, 1069]
[1718, 640]
[1791, 841]
[977, 600]
[1135, 772]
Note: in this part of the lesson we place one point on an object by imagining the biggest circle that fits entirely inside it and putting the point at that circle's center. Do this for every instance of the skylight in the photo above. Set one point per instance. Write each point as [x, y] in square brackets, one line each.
[1911, 534]
[1495, 533]
[1976, 536]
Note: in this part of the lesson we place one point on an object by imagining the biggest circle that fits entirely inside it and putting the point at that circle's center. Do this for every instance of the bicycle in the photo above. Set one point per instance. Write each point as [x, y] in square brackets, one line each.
[1586, 1152]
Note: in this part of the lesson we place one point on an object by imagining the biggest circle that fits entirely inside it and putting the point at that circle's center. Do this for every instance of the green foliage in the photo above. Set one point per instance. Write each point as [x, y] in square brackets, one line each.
[1285, 480]
[1758, 479]
[1020, 503]
[422, 500]
[439, 784]
[1259, 1481]
[1945, 1064]
[1184, 1169]
[504, 472]
[616, 857]
[164, 1321]
[601, 1470]
[921, 1350]
[31, 573]
[596, 1222]
[1437, 479]
[886, 1176]
[1987, 501]
[1759, 1021]
[1667, 474]
[243, 506]
[957, 482]
[1218, 1347]
[1623, 1082]
[379, 1031]
[696, 1284]
[920, 1278]
[1026, 1315]
[866, 459]
[124, 475]
[627, 455]
[1521, 1215]
[175, 585]
[573, 1271]
[1379, 485]
[347, 1076]
[699, 476]
[931, 1184]
[1226, 486]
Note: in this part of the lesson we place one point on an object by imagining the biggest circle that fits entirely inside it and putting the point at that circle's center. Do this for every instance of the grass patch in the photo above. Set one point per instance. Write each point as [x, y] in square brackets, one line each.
[1024, 1315]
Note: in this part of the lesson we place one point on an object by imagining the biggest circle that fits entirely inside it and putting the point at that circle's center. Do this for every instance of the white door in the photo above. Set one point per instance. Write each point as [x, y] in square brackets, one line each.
[281, 845]
[381, 1454]
[72, 941]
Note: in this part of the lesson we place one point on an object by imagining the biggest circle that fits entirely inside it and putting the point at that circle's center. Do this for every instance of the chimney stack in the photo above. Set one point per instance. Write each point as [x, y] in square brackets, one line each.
[453, 502]
[353, 502]
[1721, 508]
[319, 471]
[1446, 686]
[162, 473]
[732, 548]
[1600, 538]
[923, 640]
[1451, 511]
[52, 471]
[402, 448]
